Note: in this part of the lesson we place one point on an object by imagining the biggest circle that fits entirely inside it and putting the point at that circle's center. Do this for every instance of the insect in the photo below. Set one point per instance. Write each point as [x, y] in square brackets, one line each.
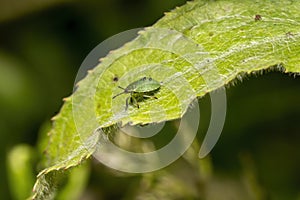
[138, 90]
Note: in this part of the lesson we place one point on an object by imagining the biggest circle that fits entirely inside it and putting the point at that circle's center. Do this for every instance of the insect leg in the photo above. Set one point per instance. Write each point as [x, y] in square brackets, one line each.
[135, 102]
[127, 99]
[148, 96]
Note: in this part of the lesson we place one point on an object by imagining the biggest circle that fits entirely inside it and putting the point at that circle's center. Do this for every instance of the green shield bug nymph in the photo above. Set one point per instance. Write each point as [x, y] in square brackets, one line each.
[138, 90]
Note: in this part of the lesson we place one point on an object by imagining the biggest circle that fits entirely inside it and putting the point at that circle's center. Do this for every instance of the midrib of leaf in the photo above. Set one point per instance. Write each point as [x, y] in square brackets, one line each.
[193, 50]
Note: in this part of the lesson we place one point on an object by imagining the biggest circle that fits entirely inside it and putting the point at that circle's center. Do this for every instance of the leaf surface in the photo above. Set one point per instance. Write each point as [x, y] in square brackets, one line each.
[193, 50]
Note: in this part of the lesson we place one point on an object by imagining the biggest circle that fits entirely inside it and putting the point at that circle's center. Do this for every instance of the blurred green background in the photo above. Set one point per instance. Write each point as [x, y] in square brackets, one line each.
[42, 44]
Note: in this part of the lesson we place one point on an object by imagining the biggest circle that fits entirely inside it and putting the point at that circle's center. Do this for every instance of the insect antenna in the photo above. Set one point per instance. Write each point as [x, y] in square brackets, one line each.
[118, 94]
[121, 88]
[121, 92]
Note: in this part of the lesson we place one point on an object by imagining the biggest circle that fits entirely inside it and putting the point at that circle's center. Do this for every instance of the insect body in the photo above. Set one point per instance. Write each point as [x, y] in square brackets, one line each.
[138, 90]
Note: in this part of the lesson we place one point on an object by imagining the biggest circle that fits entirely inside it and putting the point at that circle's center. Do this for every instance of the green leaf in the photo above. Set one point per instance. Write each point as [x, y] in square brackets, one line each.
[193, 50]
[76, 183]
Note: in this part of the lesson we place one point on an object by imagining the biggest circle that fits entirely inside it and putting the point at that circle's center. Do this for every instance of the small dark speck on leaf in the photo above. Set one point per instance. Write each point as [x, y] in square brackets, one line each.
[289, 34]
[210, 34]
[257, 18]
[115, 79]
